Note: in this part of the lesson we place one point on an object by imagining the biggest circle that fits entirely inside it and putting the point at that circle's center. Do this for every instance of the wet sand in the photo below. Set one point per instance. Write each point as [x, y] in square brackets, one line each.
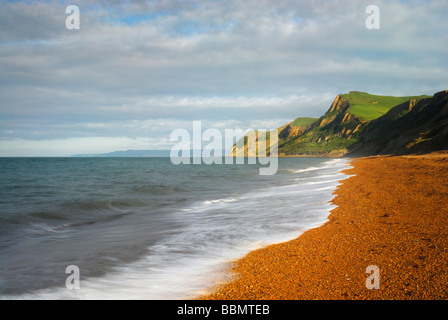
[392, 214]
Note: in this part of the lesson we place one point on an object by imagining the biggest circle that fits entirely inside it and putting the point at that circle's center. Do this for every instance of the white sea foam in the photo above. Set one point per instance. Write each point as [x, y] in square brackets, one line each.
[216, 231]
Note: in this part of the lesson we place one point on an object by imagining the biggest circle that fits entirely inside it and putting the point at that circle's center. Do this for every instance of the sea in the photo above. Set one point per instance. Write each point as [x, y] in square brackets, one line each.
[144, 228]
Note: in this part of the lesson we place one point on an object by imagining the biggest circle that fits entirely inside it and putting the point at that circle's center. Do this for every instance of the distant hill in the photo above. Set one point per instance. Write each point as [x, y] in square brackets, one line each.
[364, 124]
[128, 153]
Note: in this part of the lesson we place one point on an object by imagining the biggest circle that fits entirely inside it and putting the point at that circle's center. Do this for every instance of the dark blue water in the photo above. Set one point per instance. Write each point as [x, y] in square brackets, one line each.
[143, 227]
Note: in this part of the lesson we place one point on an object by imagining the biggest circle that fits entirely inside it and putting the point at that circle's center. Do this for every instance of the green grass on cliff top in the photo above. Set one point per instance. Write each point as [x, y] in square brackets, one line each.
[369, 106]
[303, 122]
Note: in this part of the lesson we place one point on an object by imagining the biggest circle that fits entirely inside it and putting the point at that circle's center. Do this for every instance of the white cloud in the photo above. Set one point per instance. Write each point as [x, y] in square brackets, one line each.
[133, 63]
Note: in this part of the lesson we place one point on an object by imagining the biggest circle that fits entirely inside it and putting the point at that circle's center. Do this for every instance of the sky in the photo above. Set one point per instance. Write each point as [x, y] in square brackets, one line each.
[137, 70]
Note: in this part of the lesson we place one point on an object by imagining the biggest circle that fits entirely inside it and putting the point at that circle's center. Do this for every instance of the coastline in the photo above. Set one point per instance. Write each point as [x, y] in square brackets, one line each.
[391, 213]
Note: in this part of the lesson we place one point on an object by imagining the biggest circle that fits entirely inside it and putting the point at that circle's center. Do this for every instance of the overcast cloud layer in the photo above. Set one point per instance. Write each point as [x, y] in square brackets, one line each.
[136, 70]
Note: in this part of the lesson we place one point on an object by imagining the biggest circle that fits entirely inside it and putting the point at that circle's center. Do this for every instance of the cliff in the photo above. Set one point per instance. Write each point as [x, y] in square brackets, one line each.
[295, 128]
[416, 126]
[359, 124]
[330, 135]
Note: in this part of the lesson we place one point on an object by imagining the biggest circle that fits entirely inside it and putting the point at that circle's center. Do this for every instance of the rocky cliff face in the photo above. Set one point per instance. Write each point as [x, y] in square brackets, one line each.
[289, 131]
[330, 135]
[416, 126]
[338, 121]
[250, 148]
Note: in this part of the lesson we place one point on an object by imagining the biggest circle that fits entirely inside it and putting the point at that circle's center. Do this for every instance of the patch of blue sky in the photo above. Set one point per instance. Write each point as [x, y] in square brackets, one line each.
[193, 27]
[28, 42]
[296, 20]
[134, 19]
[382, 54]
[15, 1]
[34, 2]
[412, 3]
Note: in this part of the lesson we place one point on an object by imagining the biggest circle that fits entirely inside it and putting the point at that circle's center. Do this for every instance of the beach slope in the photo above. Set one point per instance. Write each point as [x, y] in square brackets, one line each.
[392, 213]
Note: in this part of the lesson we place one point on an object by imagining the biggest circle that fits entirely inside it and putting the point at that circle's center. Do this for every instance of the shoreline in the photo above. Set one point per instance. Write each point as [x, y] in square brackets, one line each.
[391, 213]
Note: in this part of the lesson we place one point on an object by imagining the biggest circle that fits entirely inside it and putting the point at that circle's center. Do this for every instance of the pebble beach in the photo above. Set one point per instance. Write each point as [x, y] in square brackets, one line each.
[392, 213]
